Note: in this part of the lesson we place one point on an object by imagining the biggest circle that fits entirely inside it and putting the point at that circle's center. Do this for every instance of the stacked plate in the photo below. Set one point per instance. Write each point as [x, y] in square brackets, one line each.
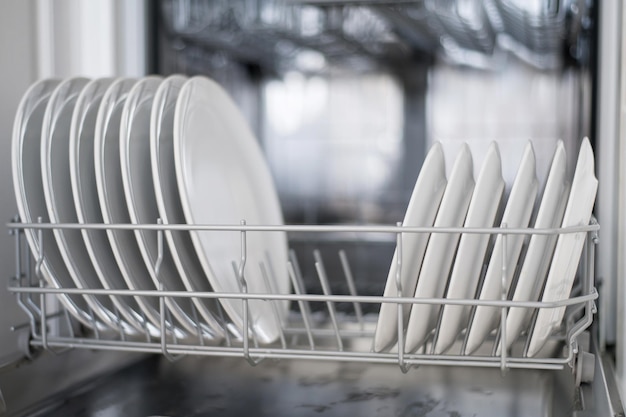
[484, 266]
[121, 151]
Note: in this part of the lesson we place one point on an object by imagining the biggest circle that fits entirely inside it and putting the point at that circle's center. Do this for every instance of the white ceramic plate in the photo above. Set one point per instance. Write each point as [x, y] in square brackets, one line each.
[541, 247]
[568, 249]
[422, 209]
[472, 248]
[440, 251]
[223, 178]
[31, 204]
[167, 196]
[517, 214]
[55, 133]
[141, 201]
[113, 202]
[85, 196]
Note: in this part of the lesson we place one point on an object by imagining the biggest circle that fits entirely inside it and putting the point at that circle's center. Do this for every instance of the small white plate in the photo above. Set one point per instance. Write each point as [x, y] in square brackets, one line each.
[441, 249]
[141, 201]
[85, 196]
[517, 214]
[223, 178]
[568, 249]
[29, 194]
[541, 247]
[113, 202]
[170, 209]
[422, 209]
[472, 248]
[55, 133]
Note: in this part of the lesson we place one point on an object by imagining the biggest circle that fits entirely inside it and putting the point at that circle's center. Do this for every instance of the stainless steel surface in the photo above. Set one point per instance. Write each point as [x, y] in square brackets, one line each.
[286, 34]
[27, 385]
[229, 387]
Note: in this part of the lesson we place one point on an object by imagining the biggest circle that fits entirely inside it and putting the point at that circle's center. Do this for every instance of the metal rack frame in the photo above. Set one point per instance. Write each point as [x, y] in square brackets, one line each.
[300, 337]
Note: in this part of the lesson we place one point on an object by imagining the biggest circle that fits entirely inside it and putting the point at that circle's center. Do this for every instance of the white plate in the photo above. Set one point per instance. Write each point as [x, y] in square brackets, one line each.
[422, 209]
[55, 133]
[517, 214]
[141, 201]
[569, 248]
[440, 251]
[541, 247]
[223, 178]
[113, 202]
[85, 196]
[472, 248]
[31, 204]
[167, 196]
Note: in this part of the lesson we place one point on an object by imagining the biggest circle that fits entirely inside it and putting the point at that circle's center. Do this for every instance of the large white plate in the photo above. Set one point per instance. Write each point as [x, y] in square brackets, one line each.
[31, 204]
[113, 202]
[517, 214]
[85, 196]
[223, 179]
[167, 196]
[440, 251]
[422, 209]
[55, 171]
[541, 247]
[472, 248]
[569, 248]
[141, 201]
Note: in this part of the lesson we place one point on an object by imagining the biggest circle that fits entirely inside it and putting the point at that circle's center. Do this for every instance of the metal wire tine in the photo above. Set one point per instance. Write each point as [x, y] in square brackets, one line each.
[40, 257]
[170, 325]
[588, 272]
[304, 308]
[244, 289]
[144, 322]
[93, 322]
[503, 296]
[194, 313]
[268, 285]
[321, 273]
[159, 259]
[347, 271]
[246, 314]
[32, 320]
[68, 320]
[293, 258]
[298, 281]
[42, 284]
[44, 318]
[401, 362]
[269, 275]
[466, 336]
[223, 323]
[162, 313]
[30, 280]
[529, 332]
[118, 321]
[435, 335]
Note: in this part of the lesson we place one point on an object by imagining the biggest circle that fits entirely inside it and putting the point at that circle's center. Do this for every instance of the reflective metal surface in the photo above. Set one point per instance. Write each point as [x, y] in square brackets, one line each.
[229, 387]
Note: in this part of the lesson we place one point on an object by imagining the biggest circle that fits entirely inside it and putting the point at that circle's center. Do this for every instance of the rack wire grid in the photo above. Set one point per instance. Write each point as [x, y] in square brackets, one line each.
[305, 335]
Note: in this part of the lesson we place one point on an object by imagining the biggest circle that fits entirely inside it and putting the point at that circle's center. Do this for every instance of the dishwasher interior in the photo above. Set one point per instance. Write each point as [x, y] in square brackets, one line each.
[346, 98]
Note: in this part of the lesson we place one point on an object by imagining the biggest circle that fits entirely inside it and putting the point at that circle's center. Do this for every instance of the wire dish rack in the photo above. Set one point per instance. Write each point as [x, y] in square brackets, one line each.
[341, 328]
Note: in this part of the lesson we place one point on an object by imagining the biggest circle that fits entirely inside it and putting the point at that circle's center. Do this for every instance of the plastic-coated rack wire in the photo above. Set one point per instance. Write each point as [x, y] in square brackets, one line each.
[332, 336]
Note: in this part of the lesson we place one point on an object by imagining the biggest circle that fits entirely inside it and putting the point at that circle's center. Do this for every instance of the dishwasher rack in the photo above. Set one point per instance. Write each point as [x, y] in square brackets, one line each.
[330, 334]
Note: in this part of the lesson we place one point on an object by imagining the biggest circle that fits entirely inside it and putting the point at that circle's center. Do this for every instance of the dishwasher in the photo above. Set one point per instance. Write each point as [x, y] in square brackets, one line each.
[349, 101]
